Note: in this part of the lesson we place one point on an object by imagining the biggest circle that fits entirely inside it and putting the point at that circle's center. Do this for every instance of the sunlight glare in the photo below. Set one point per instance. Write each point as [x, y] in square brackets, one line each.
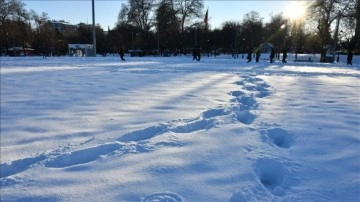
[296, 10]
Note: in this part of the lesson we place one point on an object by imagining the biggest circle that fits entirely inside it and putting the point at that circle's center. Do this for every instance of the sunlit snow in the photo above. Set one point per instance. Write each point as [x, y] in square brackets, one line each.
[172, 129]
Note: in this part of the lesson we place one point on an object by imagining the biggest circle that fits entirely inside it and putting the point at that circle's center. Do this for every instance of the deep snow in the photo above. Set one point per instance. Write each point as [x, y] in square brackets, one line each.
[172, 129]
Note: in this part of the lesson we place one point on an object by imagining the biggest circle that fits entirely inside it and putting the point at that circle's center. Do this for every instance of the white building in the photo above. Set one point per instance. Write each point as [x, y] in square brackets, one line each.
[81, 50]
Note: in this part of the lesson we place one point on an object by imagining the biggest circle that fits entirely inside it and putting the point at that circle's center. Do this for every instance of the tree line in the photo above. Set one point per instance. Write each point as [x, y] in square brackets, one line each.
[177, 26]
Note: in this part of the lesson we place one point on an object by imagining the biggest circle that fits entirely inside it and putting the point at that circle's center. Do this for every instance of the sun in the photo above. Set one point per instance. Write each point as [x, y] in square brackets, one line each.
[296, 10]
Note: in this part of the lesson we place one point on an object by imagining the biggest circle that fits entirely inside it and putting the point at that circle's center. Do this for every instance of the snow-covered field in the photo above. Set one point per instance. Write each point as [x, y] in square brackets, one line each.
[172, 129]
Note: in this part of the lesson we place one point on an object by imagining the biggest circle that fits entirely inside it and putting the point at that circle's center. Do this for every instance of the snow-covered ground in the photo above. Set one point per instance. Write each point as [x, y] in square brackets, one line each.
[172, 129]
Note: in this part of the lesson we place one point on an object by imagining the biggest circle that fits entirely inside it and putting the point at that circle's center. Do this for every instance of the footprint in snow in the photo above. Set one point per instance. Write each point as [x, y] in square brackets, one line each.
[250, 87]
[263, 93]
[240, 83]
[254, 84]
[88, 155]
[237, 93]
[144, 134]
[163, 197]
[271, 175]
[252, 79]
[210, 113]
[245, 117]
[197, 125]
[278, 137]
[18, 166]
[246, 101]
[238, 197]
[262, 90]
[82, 156]
[4, 182]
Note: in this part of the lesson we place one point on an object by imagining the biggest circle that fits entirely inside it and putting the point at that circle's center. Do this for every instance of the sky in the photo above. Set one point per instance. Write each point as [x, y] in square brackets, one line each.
[106, 11]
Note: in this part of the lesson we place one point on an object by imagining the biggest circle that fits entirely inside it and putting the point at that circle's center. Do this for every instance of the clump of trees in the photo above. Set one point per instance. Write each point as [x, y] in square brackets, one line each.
[176, 26]
[22, 28]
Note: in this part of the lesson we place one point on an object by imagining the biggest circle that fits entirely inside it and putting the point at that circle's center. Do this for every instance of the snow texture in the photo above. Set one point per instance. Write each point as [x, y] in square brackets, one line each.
[172, 130]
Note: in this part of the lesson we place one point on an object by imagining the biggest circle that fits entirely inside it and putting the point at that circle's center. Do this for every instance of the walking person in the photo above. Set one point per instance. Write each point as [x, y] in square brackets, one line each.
[284, 56]
[121, 53]
[272, 55]
[257, 57]
[249, 57]
[194, 53]
[349, 57]
[198, 54]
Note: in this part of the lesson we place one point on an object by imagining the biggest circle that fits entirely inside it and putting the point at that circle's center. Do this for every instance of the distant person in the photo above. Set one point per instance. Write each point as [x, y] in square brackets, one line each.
[121, 53]
[194, 53]
[272, 55]
[249, 57]
[257, 56]
[197, 54]
[349, 57]
[284, 56]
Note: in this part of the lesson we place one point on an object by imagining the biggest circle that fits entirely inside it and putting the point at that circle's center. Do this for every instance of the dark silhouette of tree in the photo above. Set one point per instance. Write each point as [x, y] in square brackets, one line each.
[177, 25]
[124, 35]
[312, 43]
[228, 33]
[138, 13]
[351, 20]
[185, 10]
[10, 10]
[296, 37]
[326, 12]
[275, 31]
[167, 26]
[252, 29]
[356, 39]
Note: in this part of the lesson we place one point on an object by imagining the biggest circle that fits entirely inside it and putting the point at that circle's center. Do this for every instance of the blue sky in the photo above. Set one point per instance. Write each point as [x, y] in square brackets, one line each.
[106, 11]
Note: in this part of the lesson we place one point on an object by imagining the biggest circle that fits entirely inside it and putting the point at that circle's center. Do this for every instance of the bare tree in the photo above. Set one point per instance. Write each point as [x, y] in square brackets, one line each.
[357, 29]
[252, 29]
[185, 10]
[230, 39]
[138, 13]
[326, 12]
[167, 25]
[123, 14]
[10, 10]
[274, 30]
[351, 20]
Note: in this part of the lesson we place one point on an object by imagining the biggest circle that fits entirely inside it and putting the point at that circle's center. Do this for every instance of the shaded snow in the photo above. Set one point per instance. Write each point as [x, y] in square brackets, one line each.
[170, 129]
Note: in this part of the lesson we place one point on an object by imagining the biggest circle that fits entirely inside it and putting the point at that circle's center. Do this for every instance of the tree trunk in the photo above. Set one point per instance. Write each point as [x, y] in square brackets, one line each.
[357, 27]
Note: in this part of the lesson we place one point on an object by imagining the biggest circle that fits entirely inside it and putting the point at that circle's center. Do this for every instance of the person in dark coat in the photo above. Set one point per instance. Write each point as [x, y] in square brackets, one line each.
[198, 54]
[284, 56]
[257, 57]
[349, 57]
[272, 55]
[194, 53]
[121, 53]
[249, 57]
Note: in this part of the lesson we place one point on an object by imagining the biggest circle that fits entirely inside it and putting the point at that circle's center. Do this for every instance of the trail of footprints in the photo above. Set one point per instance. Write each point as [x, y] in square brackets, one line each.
[240, 109]
[270, 172]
